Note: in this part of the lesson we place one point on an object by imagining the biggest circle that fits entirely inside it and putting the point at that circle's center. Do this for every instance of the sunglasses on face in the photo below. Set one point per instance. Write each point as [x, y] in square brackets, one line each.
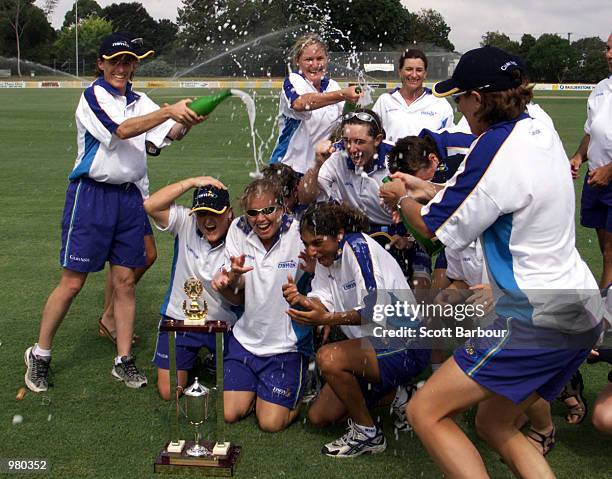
[268, 210]
[361, 115]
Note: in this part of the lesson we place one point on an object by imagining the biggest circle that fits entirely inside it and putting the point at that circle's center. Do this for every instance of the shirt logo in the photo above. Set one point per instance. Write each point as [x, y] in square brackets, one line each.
[348, 286]
[190, 249]
[121, 44]
[428, 113]
[287, 264]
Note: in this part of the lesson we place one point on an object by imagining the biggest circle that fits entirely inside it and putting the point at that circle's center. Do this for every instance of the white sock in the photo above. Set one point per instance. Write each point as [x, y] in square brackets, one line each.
[435, 367]
[40, 352]
[369, 431]
[118, 360]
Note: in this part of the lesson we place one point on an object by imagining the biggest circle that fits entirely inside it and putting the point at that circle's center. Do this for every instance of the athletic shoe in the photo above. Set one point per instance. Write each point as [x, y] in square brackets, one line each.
[127, 372]
[37, 372]
[398, 407]
[355, 442]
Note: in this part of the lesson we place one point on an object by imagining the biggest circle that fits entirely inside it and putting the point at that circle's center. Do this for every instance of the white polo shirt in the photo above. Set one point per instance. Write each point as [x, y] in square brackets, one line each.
[363, 266]
[400, 119]
[341, 181]
[103, 156]
[599, 116]
[265, 328]
[467, 265]
[300, 131]
[193, 258]
[533, 110]
[514, 191]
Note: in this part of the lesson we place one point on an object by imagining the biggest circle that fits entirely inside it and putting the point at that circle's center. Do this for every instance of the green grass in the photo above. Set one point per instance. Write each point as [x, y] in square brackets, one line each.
[89, 426]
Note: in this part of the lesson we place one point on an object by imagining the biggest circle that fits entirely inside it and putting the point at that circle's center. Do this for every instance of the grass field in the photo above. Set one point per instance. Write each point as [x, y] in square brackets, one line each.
[89, 426]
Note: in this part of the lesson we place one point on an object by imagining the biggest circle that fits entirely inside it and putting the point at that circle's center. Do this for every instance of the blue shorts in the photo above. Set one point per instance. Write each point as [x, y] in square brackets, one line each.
[278, 379]
[187, 347]
[148, 230]
[397, 367]
[596, 207]
[102, 222]
[513, 366]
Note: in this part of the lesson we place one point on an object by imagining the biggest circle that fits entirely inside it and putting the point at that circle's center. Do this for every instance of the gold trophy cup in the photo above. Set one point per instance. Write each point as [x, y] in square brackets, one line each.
[195, 313]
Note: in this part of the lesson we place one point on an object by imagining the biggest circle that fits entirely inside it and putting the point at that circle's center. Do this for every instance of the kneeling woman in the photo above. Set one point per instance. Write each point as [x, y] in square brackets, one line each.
[267, 354]
[360, 372]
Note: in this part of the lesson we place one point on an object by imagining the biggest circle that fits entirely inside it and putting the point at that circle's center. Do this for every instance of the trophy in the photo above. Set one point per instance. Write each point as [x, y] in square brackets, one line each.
[195, 400]
[199, 404]
[194, 313]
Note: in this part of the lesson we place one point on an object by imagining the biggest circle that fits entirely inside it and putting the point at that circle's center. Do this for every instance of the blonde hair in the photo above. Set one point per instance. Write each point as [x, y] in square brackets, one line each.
[304, 42]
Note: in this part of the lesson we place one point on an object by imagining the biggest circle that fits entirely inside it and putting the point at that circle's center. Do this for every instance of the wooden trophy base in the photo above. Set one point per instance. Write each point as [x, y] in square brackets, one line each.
[183, 464]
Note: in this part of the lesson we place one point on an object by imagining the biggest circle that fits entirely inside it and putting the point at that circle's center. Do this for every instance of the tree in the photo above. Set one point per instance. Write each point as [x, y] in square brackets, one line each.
[500, 40]
[591, 65]
[85, 9]
[356, 25]
[133, 17]
[23, 29]
[551, 58]
[527, 43]
[428, 26]
[49, 7]
[91, 33]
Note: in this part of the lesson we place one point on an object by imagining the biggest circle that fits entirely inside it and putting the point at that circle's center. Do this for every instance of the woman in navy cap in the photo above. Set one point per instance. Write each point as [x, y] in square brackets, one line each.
[513, 192]
[103, 214]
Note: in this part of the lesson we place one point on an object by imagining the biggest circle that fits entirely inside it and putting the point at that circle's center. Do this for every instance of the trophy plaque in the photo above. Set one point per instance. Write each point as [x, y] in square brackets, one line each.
[196, 311]
[201, 457]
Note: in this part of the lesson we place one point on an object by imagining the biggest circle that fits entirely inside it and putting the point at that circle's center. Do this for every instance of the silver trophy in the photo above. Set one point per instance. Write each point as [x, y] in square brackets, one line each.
[195, 400]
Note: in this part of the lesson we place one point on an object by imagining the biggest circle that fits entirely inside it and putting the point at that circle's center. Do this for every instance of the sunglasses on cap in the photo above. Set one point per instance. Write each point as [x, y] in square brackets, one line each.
[361, 115]
[268, 210]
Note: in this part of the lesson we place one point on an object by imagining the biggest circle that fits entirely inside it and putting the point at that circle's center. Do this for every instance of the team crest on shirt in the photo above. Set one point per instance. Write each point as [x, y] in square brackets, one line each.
[287, 265]
[348, 286]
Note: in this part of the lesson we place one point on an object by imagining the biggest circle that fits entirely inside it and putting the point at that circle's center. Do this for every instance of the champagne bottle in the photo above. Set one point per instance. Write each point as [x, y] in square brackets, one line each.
[431, 246]
[349, 106]
[205, 104]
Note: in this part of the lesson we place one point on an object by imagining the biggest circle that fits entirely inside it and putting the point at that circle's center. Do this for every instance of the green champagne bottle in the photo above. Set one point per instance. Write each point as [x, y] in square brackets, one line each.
[349, 106]
[205, 104]
[431, 246]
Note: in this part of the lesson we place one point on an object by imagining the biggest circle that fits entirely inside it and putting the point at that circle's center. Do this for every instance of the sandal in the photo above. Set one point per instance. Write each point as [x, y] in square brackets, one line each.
[104, 332]
[544, 441]
[574, 389]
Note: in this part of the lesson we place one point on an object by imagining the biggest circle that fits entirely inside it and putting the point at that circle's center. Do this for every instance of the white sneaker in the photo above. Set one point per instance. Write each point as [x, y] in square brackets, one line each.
[355, 442]
[398, 407]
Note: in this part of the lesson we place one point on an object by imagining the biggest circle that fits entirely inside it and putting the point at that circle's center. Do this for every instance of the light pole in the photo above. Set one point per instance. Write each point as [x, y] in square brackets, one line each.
[76, 36]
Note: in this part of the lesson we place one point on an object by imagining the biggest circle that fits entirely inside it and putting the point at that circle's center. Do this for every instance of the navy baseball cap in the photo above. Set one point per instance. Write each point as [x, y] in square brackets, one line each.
[210, 198]
[123, 43]
[483, 69]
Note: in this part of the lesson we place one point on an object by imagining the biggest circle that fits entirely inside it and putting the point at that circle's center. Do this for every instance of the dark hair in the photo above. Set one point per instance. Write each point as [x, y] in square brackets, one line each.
[504, 105]
[286, 177]
[330, 218]
[375, 128]
[411, 154]
[259, 187]
[412, 53]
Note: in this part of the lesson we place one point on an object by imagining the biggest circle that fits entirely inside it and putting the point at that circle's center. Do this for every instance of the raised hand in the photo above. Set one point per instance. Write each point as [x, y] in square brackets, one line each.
[308, 263]
[290, 291]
